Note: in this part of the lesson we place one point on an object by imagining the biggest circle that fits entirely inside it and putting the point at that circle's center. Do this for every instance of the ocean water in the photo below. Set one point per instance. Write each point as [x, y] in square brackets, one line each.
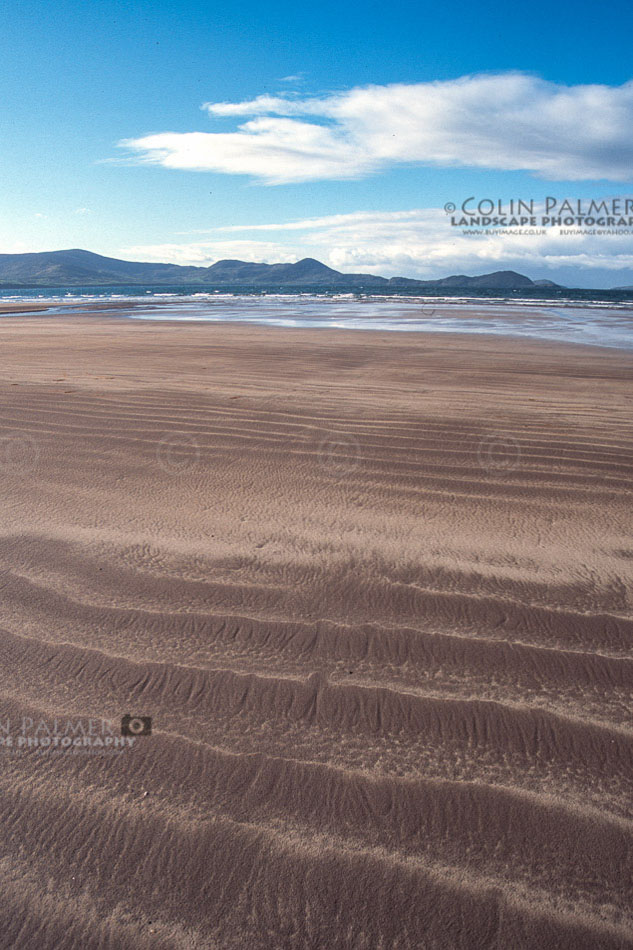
[589, 321]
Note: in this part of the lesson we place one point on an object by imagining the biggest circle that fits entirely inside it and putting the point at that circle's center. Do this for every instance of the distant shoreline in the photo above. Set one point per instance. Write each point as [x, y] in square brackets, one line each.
[83, 271]
[155, 292]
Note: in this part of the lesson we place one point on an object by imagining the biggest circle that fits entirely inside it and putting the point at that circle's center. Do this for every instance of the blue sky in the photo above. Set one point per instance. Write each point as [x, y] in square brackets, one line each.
[80, 78]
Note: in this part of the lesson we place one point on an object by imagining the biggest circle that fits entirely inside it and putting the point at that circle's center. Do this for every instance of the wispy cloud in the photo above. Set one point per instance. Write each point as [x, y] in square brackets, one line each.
[511, 121]
[83, 211]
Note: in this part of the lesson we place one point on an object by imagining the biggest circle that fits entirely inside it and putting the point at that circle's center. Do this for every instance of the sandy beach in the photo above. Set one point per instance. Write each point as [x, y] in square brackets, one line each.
[375, 592]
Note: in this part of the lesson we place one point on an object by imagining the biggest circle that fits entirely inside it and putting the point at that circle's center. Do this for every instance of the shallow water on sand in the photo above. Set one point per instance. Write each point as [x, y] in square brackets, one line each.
[593, 323]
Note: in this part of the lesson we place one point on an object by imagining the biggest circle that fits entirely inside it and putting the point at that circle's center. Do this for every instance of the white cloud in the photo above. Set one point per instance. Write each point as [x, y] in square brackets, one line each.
[415, 243]
[203, 253]
[83, 211]
[507, 122]
[8, 246]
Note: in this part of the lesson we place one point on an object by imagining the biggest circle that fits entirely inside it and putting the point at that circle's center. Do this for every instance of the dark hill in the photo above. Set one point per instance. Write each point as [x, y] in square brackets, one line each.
[83, 268]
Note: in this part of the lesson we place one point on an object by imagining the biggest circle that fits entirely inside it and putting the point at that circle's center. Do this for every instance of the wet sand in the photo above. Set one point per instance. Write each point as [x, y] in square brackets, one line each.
[40, 307]
[375, 592]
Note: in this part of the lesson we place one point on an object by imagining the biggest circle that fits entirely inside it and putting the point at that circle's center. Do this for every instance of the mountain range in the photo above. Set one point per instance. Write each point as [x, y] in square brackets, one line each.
[83, 268]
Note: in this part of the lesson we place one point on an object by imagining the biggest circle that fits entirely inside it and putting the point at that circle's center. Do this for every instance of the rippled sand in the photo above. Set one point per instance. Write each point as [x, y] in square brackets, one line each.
[375, 592]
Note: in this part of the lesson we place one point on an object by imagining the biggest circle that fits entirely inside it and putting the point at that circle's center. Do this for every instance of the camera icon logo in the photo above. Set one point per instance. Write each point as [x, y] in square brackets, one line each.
[136, 725]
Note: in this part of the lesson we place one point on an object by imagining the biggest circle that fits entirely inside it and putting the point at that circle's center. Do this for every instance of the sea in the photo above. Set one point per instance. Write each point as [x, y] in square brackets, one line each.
[603, 318]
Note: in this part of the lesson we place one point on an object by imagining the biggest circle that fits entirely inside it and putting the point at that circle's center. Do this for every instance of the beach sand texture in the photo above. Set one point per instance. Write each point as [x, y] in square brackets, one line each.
[375, 592]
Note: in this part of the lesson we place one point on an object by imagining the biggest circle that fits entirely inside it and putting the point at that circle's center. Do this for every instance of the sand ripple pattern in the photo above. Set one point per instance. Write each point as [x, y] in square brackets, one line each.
[390, 669]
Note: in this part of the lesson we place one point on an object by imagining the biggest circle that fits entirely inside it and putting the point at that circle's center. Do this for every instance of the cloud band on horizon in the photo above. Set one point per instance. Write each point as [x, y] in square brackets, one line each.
[506, 122]
[416, 242]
